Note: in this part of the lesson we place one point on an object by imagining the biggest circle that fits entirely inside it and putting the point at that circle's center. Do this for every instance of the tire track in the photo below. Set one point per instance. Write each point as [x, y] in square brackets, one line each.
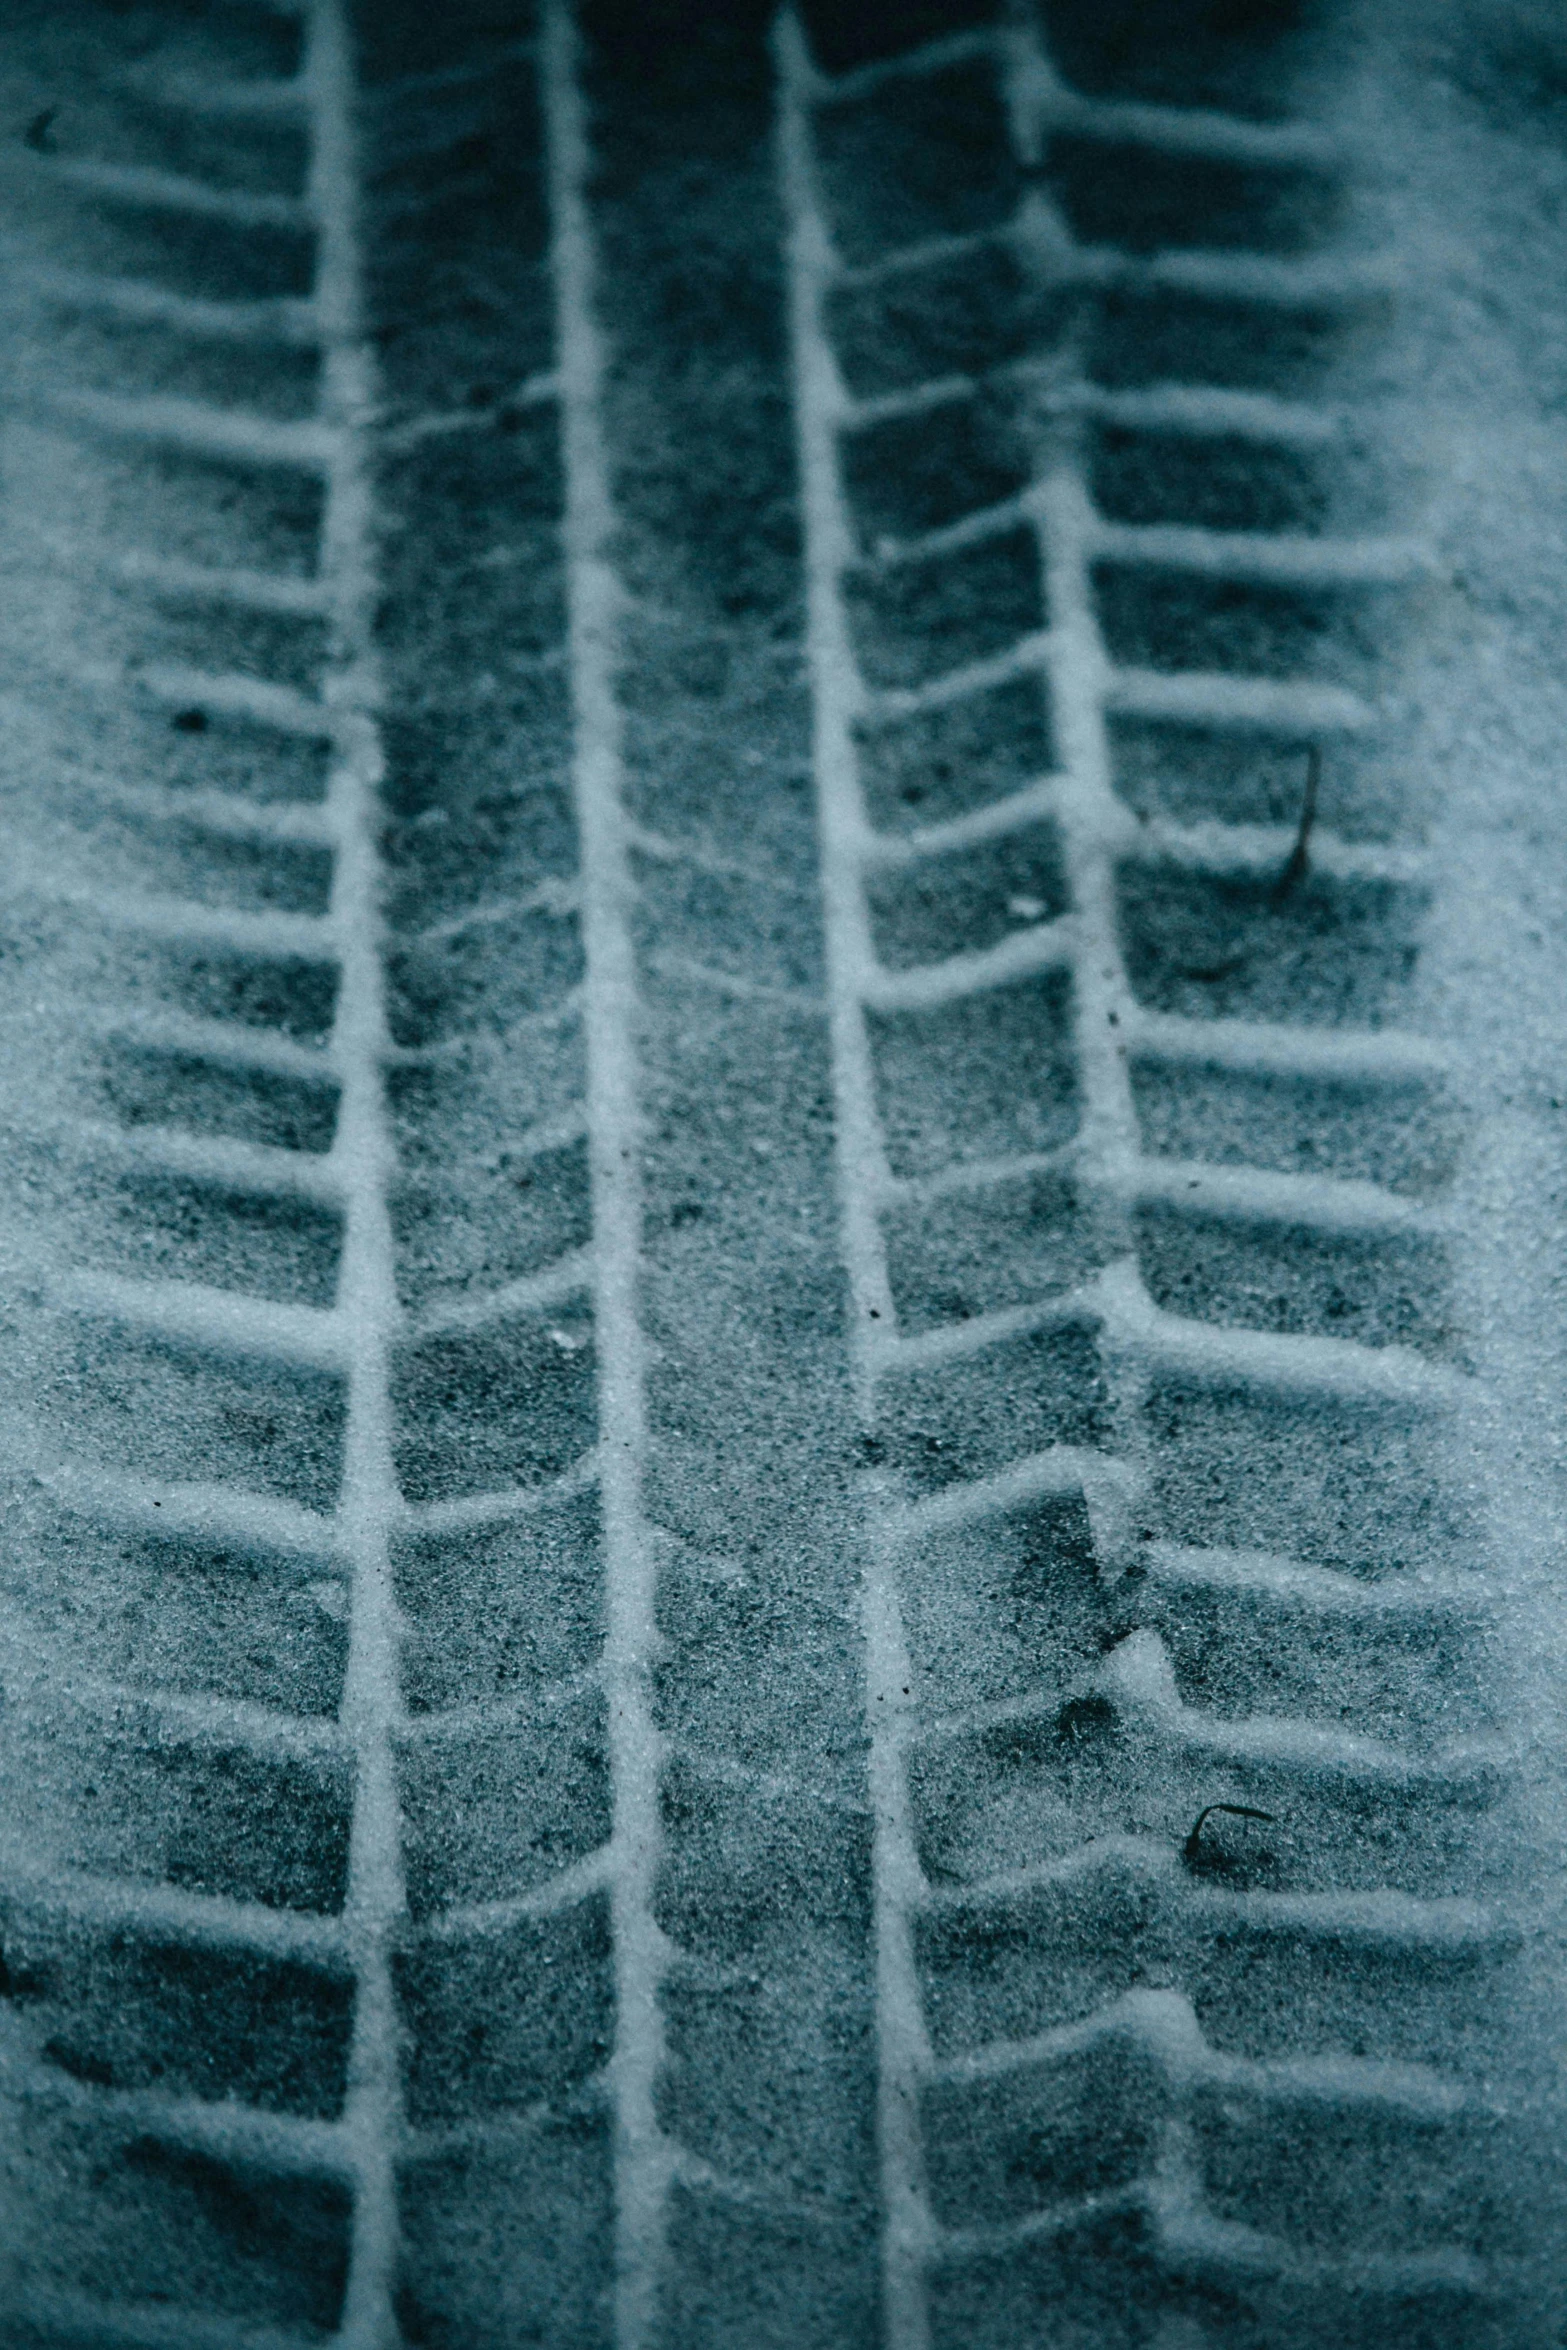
[1096, 2165]
[180, 1993]
[245, 2214]
[642, 2156]
[439, 1899]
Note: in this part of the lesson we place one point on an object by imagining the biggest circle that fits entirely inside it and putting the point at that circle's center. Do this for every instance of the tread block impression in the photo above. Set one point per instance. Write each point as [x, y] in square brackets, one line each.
[1389, 1291]
[1139, 200]
[184, 1614]
[512, 2239]
[127, 2012]
[139, 2224]
[503, 1215]
[1021, 1238]
[1326, 953]
[918, 473]
[503, 2018]
[158, 1227]
[1045, 2134]
[965, 902]
[940, 316]
[202, 1815]
[918, 159]
[1191, 773]
[498, 1813]
[1241, 58]
[1366, 1489]
[999, 1612]
[956, 758]
[916, 620]
[161, 1406]
[145, 1085]
[983, 1077]
[1404, 1134]
[972, 1418]
[501, 1611]
[487, 1411]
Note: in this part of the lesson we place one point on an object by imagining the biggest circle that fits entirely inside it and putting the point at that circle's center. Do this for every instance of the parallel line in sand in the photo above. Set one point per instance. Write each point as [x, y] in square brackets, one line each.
[1195, 411]
[838, 698]
[595, 599]
[290, 321]
[197, 428]
[143, 187]
[369, 1503]
[1164, 2024]
[266, 98]
[1380, 1920]
[1283, 283]
[264, 1170]
[223, 1321]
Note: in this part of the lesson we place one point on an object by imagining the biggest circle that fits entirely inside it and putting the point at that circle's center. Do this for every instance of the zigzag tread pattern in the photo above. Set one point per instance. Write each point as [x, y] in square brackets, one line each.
[1113, 1767]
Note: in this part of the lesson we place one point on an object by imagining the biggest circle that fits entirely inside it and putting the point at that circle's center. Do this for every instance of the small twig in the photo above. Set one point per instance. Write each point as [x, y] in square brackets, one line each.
[1191, 1850]
[1299, 861]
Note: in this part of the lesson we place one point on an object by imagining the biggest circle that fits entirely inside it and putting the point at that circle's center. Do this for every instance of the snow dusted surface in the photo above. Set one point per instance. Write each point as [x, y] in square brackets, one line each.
[781, 972]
